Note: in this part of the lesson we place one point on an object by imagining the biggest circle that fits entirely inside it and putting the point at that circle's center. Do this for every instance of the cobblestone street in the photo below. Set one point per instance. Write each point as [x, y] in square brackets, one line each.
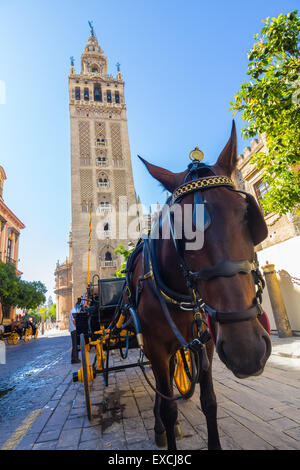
[46, 410]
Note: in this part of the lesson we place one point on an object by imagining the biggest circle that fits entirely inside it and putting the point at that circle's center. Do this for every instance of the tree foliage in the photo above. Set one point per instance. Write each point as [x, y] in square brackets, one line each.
[125, 252]
[270, 105]
[18, 293]
[44, 313]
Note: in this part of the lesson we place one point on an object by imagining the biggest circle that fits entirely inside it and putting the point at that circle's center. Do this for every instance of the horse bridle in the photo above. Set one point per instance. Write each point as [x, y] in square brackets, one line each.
[226, 268]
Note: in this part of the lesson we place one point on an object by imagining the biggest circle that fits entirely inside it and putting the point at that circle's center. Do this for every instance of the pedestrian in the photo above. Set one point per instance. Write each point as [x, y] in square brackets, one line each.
[72, 330]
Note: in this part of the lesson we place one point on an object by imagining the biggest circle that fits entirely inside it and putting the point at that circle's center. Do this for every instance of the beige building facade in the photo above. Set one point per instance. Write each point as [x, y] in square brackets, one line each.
[282, 246]
[63, 289]
[10, 227]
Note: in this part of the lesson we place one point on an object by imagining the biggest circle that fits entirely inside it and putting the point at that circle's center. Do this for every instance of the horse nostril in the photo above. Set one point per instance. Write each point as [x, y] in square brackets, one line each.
[268, 345]
[220, 350]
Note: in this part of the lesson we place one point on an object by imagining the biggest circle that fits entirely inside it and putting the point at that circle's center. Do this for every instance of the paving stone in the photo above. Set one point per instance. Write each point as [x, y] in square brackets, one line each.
[93, 444]
[41, 421]
[289, 411]
[28, 441]
[134, 430]
[283, 424]
[91, 433]
[265, 431]
[45, 446]
[142, 445]
[114, 444]
[73, 423]
[242, 436]
[69, 438]
[130, 409]
[49, 435]
[295, 433]
[194, 442]
[95, 421]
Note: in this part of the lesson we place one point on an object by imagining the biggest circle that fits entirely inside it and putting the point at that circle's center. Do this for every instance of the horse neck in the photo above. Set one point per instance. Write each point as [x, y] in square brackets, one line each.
[168, 265]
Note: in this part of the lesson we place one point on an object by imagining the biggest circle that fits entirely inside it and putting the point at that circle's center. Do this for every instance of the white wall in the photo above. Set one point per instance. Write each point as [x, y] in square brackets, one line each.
[286, 258]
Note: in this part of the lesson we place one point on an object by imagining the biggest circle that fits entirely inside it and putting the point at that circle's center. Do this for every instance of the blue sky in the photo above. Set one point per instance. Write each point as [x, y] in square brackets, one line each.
[182, 62]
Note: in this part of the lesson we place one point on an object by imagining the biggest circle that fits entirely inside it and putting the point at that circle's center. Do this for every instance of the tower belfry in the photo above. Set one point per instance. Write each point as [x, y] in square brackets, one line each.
[101, 169]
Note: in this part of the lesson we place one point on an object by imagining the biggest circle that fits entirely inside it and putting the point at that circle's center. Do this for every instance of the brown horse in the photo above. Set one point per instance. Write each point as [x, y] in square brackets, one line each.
[221, 278]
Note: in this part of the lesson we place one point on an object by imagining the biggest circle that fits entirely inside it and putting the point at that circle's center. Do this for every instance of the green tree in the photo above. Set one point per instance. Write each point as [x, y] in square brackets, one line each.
[125, 252]
[17, 293]
[52, 312]
[270, 105]
[8, 285]
[30, 294]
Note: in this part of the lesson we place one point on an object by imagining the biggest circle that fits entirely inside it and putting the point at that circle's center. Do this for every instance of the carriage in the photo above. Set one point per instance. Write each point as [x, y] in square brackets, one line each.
[17, 330]
[103, 324]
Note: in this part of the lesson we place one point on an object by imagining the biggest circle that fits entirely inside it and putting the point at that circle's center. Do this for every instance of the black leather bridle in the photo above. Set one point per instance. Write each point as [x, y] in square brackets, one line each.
[225, 268]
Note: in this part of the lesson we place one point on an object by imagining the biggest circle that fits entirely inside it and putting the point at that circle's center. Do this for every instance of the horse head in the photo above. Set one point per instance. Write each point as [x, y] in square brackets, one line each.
[223, 270]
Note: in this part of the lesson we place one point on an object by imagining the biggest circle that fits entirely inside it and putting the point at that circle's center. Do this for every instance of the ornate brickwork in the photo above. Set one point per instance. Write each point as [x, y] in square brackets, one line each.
[86, 185]
[100, 130]
[116, 145]
[84, 139]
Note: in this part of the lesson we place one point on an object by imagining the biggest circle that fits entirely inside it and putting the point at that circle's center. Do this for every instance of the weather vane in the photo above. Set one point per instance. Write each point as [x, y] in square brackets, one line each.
[72, 61]
[92, 28]
[196, 155]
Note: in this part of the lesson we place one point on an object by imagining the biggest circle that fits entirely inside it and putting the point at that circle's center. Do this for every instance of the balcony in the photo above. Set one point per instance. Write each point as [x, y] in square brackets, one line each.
[105, 234]
[101, 162]
[101, 142]
[10, 260]
[108, 264]
[102, 208]
[103, 184]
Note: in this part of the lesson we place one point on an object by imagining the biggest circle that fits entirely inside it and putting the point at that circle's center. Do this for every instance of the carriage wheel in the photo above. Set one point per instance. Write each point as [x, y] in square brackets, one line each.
[36, 334]
[26, 336]
[10, 339]
[86, 375]
[15, 338]
[184, 358]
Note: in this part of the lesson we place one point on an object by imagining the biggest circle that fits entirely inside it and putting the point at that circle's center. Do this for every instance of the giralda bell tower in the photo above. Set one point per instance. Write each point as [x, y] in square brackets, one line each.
[101, 169]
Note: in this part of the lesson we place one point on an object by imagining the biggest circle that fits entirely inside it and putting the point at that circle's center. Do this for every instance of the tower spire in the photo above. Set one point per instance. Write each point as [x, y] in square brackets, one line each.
[91, 28]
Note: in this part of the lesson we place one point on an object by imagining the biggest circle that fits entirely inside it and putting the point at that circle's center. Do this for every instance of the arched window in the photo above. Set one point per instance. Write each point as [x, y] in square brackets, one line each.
[106, 226]
[94, 68]
[86, 94]
[101, 161]
[108, 256]
[97, 92]
[77, 93]
[102, 181]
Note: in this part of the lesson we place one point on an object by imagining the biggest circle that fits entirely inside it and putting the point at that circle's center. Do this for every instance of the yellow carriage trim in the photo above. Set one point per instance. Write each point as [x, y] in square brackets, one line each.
[15, 338]
[182, 381]
[90, 373]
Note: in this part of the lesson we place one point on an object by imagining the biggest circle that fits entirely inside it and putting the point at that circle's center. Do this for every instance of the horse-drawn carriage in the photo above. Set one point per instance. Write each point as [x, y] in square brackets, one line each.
[17, 330]
[103, 324]
[181, 298]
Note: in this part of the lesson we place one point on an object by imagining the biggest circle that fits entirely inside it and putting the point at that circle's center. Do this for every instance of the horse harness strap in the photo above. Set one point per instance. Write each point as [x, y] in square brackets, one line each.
[225, 268]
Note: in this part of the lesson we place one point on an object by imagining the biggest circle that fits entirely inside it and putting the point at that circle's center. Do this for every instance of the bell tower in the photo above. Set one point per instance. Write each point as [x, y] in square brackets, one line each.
[101, 171]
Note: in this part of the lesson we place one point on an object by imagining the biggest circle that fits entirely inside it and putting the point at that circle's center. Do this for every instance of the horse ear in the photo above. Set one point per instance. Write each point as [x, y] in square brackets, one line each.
[168, 179]
[228, 157]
